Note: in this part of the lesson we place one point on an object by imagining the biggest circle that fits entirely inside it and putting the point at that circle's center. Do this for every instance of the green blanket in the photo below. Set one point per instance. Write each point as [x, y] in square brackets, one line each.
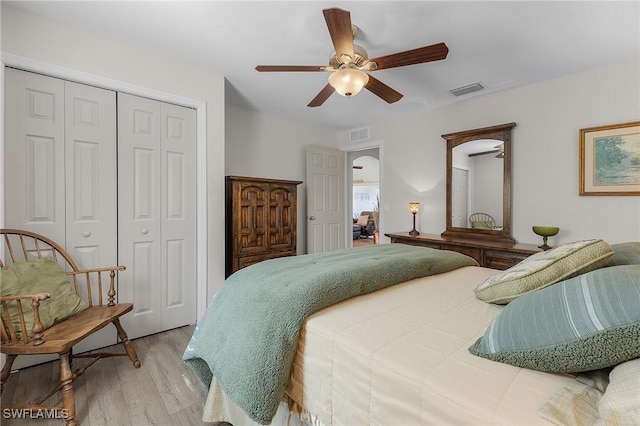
[249, 334]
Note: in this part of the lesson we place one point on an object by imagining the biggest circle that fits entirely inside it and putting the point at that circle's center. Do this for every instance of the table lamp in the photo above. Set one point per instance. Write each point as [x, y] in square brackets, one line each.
[414, 207]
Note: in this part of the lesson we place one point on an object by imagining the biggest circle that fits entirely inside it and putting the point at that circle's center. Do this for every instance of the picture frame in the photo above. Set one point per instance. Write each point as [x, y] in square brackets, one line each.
[610, 159]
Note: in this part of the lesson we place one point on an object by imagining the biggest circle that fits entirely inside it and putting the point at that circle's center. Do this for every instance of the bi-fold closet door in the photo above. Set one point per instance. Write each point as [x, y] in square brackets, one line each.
[156, 210]
[69, 177]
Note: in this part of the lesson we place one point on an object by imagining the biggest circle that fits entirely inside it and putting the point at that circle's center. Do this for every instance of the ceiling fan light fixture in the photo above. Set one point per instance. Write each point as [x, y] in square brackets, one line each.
[348, 81]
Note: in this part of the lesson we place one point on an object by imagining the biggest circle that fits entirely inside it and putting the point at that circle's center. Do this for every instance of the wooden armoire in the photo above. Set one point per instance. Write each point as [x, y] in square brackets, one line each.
[261, 218]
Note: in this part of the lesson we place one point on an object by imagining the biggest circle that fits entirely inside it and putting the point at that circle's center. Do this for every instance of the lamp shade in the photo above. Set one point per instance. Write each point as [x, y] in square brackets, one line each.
[414, 207]
[348, 81]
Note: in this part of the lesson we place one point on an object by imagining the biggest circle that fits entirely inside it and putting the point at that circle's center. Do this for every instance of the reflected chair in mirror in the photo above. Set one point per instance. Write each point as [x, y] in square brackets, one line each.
[48, 304]
[481, 221]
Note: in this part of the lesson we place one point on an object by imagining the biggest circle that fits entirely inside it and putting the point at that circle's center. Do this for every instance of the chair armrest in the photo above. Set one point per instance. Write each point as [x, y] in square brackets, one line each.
[92, 274]
[8, 331]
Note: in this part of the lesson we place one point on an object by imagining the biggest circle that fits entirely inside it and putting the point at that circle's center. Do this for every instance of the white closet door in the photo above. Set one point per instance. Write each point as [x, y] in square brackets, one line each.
[178, 141]
[60, 172]
[91, 200]
[156, 214]
[34, 154]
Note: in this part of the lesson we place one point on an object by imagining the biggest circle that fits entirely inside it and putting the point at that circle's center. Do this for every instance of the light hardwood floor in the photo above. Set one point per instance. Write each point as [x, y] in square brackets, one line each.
[164, 391]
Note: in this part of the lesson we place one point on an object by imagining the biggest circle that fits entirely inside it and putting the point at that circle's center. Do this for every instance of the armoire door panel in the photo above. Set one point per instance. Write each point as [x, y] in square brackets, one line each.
[34, 154]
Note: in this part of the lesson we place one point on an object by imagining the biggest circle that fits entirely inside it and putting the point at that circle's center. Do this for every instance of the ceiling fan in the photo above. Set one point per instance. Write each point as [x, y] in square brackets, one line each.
[498, 149]
[349, 62]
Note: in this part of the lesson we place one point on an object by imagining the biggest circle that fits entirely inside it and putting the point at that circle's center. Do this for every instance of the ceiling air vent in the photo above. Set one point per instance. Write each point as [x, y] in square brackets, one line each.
[470, 88]
[359, 135]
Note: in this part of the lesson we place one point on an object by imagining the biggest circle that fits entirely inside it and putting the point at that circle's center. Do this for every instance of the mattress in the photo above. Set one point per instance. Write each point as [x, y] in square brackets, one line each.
[399, 357]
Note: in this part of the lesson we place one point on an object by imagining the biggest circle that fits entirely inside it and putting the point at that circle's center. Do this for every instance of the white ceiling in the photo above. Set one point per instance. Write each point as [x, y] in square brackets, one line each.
[501, 44]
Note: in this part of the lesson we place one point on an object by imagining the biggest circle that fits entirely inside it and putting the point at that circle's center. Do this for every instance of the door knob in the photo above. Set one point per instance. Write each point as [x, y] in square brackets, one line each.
[144, 230]
[312, 218]
[86, 233]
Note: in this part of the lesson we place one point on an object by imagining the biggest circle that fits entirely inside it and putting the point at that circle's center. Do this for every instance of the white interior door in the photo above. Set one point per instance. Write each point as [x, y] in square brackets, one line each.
[156, 214]
[325, 199]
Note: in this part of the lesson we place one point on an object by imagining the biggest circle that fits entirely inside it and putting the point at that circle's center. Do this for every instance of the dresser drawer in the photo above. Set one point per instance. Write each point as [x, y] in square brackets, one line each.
[501, 259]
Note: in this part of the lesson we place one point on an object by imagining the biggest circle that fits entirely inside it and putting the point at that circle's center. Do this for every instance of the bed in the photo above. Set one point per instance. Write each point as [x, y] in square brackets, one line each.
[401, 355]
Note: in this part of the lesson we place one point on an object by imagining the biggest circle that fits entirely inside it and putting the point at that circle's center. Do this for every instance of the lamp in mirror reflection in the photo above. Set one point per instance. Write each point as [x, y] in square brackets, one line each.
[414, 207]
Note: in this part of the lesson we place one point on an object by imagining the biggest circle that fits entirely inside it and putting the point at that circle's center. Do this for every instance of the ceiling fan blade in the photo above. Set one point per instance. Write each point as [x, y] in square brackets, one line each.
[380, 89]
[289, 68]
[339, 25]
[475, 154]
[435, 52]
[322, 96]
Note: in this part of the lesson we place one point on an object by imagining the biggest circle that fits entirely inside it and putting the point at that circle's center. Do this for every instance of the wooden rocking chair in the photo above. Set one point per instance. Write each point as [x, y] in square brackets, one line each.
[62, 336]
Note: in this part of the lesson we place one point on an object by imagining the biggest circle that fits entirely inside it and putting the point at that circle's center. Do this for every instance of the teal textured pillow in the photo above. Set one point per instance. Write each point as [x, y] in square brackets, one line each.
[39, 276]
[585, 323]
[625, 254]
[543, 269]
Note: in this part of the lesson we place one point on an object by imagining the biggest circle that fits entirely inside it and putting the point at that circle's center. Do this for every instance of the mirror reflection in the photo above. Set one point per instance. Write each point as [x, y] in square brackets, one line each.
[479, 184]
[477, 190]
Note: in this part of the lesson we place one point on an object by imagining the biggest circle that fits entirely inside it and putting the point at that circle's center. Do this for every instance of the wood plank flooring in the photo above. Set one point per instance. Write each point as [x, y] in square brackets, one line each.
[164, 391]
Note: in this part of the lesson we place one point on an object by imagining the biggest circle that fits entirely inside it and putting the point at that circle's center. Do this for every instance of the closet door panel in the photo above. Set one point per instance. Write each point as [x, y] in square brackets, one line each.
[139, 218]
[91, 197]
[91, 175]
[34, 154]
[178, 141]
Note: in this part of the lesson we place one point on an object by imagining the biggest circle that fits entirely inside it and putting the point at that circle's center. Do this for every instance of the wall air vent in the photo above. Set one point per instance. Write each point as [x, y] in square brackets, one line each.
[359, 135]
[470, 88]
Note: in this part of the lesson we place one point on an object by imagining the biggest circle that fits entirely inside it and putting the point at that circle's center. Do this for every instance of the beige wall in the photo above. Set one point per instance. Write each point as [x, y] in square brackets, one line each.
[32, 37]
[263, 145]
[545, 156]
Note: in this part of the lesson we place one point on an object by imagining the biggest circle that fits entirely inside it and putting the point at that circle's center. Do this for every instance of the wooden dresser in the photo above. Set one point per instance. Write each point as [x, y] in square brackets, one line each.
[261, 216]
[496, 255]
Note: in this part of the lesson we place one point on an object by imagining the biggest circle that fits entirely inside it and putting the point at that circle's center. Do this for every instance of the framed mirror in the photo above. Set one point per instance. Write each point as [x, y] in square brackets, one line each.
[479, 183]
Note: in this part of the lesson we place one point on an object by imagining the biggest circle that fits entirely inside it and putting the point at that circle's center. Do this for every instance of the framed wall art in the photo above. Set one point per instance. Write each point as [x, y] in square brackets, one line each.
[610, 159]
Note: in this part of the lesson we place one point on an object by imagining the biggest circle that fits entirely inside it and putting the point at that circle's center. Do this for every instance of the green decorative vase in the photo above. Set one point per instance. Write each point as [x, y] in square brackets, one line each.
[545, 232]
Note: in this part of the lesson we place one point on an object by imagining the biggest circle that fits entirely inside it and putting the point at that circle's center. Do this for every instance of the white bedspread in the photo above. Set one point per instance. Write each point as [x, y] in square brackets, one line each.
[399, 357]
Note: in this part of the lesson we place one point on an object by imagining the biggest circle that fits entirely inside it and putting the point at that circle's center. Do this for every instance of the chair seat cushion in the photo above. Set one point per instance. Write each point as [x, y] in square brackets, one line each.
[39, 276]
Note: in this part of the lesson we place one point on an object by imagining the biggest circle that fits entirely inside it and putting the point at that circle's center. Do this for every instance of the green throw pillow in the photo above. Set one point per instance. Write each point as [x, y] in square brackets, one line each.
[585, 323]
[481, 224]
[39, 276]
[543, 269]
[625, 254]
